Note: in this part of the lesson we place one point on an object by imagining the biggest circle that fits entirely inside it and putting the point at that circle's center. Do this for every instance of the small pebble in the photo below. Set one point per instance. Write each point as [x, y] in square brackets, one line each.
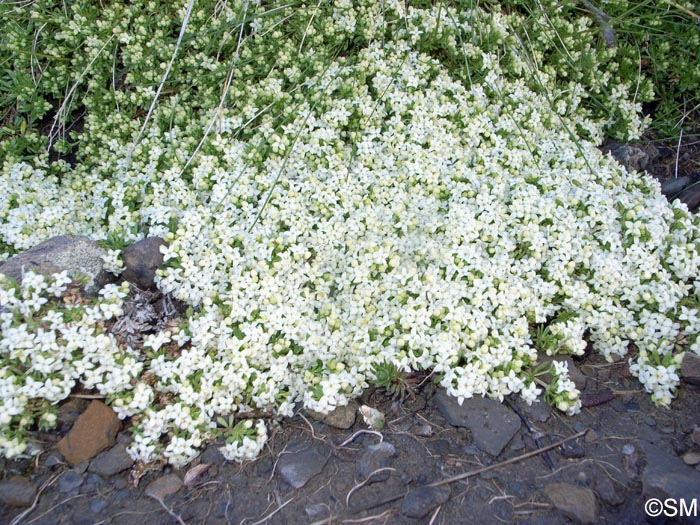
[98, 505]
[423, 430]
[650, 421]
[691, 458]
[70, 480]
[591, 436]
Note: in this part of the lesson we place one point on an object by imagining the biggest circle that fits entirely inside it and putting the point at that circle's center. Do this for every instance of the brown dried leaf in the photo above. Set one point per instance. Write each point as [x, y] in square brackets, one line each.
[194, 473]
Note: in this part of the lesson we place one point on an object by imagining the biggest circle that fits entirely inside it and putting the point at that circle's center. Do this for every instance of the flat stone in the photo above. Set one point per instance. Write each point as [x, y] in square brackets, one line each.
[70, 480]
[141, 260]
[94, 431]
[666, 476]
[301, 461]
[537, 411]
[690, 368]
[577, 503]
[17, 492]
[112, 461]
[342, 417]
[164, 486]
[376, 457]
[419, 502]
[76, 254]
[492, 424]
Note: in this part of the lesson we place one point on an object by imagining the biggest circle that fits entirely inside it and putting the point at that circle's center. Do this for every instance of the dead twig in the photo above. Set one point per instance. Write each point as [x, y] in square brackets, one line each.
[359, 432]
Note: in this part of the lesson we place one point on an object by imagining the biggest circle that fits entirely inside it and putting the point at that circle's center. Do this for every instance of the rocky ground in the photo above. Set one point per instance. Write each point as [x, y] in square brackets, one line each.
[433, 461]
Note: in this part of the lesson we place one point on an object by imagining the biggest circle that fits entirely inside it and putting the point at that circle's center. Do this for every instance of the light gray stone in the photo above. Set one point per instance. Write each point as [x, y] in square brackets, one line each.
[76, 254]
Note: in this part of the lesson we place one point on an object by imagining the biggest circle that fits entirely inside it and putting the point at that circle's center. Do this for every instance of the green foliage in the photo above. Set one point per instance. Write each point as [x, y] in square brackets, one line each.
[390, 377]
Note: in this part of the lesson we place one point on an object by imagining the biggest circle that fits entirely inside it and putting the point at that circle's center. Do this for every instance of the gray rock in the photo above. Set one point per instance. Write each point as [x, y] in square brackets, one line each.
[673, 185]
[691, 197]
[78, 255]
[70, 480]
[537, 411]
[97, 505]
[666, 476]
[111, 462]
[341, 417]
[636, 157]
[17, 492]
[376, 457]
[141, 260]
[605, 488]
[695, 435]
[420, 501]
[164, 486]
[690, 368]
[577, 503]
[492, 425]
[301, 461]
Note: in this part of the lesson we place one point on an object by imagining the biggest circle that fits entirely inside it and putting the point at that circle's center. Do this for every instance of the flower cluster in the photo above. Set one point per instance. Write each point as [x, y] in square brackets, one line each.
[373, 207]
[47, 347]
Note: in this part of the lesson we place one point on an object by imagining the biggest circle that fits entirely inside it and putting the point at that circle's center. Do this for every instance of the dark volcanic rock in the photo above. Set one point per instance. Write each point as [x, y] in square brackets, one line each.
[690, 368]
[71, 479]
[301, 461]
[492, 424]
[376, 457]
[666, 476]
[112, 461]
[420, 501]
[17, 492]
[141, 260]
